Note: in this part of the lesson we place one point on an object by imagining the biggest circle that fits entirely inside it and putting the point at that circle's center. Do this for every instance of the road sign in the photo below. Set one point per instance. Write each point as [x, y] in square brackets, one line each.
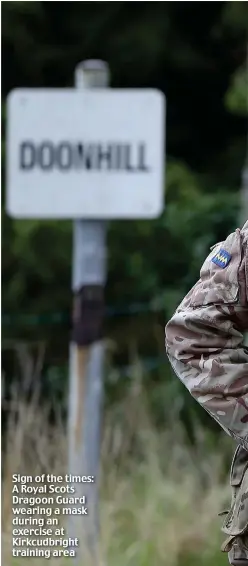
[81, 154]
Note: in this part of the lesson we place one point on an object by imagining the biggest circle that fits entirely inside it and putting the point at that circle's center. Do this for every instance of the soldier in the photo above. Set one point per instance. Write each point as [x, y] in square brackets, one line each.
[205, 345]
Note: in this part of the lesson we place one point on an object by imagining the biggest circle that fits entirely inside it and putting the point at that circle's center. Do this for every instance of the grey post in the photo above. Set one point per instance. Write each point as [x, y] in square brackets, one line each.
[244, 192]
[86, 351]
[244, 174]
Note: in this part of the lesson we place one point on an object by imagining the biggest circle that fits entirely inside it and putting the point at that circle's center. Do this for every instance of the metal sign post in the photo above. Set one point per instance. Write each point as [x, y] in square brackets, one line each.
[244, 172]
[86, 351]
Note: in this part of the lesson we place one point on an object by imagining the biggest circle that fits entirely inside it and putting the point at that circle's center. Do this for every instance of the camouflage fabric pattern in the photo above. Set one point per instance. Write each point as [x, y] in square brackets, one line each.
[236, 522]
[204, 338]
[204, 343]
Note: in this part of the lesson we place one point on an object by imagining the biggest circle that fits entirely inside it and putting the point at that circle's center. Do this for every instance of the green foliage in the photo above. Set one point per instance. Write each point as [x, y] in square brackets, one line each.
[148, 260]
[188, 50]
[194, 53]
[237, 94]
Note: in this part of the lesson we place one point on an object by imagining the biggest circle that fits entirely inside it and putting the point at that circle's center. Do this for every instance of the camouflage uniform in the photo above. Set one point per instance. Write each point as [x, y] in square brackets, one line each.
[204, 343]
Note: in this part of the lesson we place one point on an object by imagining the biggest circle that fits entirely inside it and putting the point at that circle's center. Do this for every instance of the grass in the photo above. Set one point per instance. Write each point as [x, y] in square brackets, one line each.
[159, 497]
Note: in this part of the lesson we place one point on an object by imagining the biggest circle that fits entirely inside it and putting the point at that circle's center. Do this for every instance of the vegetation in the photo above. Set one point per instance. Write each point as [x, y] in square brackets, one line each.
[159, 506]
[164, 460]
[195, 53]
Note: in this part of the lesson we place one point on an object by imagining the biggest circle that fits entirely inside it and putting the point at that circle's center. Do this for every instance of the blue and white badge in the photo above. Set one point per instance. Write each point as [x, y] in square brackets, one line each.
[222, 258]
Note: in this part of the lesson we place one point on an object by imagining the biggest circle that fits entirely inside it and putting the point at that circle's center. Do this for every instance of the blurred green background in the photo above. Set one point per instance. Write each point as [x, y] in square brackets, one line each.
[195, 52]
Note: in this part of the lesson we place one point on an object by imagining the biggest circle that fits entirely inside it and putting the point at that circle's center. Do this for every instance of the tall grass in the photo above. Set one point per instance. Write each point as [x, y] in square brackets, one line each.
[159, 497]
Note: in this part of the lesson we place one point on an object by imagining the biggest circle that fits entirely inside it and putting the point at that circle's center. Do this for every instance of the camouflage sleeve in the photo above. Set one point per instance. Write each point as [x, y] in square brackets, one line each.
[204, 339]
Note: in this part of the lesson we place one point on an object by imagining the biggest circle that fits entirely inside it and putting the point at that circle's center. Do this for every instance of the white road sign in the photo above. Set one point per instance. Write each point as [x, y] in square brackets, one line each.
[94, 154]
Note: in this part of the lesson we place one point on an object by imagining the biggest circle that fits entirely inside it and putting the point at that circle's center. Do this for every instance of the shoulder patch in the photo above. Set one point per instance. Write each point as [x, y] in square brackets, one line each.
[222, 258]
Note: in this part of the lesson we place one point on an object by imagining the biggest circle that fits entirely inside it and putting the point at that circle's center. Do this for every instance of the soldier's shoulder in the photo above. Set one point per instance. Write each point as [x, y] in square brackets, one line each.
[220, 274]
[244, 232]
